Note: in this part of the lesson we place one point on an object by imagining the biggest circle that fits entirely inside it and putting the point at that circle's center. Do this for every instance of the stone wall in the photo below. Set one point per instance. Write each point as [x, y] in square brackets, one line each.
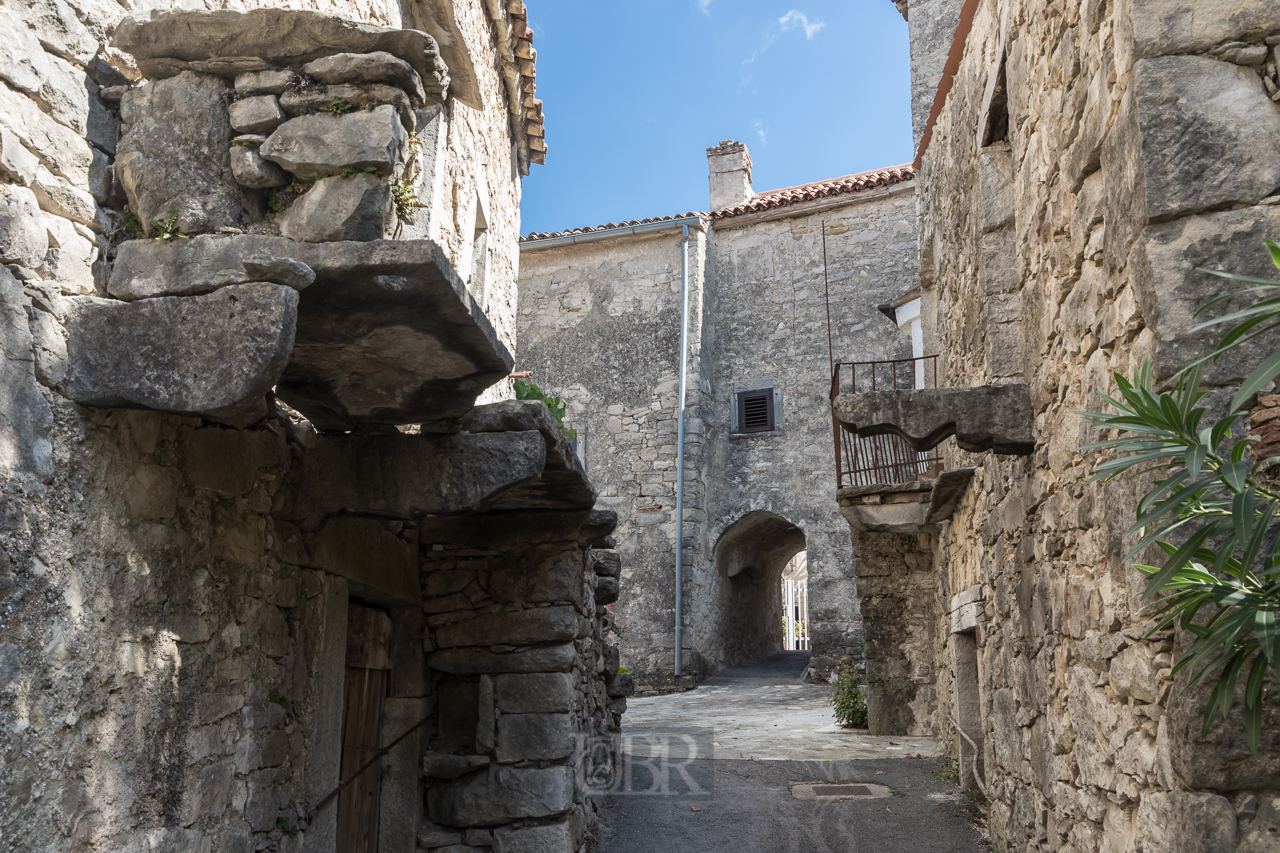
[599, 325]
[189, 571]
[1139, 147]
[932, 27]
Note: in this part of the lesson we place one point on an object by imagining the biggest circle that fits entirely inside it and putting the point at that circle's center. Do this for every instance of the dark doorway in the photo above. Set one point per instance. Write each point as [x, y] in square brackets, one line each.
[364, 690]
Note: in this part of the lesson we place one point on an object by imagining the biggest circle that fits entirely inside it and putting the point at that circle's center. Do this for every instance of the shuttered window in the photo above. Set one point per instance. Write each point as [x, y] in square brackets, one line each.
[755, 411]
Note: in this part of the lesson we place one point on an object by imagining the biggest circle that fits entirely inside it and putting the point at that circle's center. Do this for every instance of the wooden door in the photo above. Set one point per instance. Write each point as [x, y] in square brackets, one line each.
[364, 689]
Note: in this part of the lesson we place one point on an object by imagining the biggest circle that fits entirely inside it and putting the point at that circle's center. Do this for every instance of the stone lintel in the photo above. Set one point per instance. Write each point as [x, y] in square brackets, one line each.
[362, 551]
[989, 417]
[393, 475]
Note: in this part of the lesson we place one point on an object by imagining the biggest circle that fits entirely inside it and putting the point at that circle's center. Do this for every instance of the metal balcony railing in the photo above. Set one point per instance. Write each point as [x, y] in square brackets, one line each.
[881, 459]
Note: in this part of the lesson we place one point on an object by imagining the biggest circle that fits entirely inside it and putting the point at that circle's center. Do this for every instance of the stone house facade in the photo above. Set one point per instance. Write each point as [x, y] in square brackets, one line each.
[270, 579]
[599, 324]
[1078, 163]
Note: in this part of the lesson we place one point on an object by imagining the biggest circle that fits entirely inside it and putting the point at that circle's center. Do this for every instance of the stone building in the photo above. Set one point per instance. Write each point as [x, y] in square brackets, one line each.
[779, 284]
[270, 579]
[1077, 163]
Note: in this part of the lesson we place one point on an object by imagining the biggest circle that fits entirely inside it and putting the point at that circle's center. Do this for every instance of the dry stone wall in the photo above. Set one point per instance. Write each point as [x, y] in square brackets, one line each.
[1055, 254]
[600, 326]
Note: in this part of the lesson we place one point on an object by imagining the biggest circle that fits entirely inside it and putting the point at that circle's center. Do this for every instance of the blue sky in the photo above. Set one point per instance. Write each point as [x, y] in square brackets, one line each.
[635, 91]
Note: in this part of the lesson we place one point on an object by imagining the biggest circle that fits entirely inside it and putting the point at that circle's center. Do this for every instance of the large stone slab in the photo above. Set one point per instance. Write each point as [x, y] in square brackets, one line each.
[361, 550]
[534, 737]
[24, 240]
[1170, 288]
[1210, 135]
[520, 627]
[404, 476]
[321, 144]
[176, 155]
[386, 334]
[215, 356]
[1165, 27]
[502, 795]
[987, 417]
[472, 661]
[277, 36]
[377, 67]
[25, 417]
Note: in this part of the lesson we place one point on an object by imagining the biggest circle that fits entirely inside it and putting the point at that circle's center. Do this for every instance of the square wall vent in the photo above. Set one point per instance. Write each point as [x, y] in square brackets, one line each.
[756, 411]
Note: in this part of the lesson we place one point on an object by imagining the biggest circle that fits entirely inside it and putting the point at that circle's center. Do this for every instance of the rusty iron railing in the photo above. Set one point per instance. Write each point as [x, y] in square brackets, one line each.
[881, 459]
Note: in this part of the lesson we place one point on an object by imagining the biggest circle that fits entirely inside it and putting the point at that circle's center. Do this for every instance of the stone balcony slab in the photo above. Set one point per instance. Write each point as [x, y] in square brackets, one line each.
[904, 507]
[989, 417]
[222, 41]
[386, 334]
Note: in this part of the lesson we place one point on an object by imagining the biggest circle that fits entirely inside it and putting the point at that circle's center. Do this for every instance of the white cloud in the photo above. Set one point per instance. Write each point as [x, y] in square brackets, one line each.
[796, 18]
[705, 6]
[762, 131]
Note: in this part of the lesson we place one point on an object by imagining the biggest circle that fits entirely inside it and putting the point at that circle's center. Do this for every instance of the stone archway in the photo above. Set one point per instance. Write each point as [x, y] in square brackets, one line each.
[750, 556]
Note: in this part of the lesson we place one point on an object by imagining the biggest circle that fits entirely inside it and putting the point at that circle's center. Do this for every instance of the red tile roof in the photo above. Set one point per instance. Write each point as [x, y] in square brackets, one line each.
[860, 182]
[822, 189]
[546, 235]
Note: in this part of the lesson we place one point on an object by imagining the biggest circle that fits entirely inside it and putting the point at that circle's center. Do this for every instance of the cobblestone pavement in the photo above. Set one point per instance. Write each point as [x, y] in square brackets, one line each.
[770, 737]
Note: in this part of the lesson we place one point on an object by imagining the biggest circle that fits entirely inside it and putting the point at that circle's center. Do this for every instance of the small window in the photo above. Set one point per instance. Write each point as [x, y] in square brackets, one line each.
[755, 411]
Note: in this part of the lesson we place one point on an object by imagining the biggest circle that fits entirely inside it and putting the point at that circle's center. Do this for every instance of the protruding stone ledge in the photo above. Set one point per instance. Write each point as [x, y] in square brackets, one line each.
[386, 334]
[230, 42]
[564, 483]
[216, 356]
[989, 417]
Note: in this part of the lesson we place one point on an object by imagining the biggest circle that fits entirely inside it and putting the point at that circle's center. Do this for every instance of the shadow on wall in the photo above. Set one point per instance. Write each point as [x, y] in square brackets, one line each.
[750, 556]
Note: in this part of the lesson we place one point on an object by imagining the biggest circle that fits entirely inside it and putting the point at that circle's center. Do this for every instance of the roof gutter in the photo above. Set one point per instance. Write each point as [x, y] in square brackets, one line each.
[612, 233]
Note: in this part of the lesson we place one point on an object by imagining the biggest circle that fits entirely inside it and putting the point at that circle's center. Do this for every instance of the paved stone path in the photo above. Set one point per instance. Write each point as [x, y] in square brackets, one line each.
[763, 739]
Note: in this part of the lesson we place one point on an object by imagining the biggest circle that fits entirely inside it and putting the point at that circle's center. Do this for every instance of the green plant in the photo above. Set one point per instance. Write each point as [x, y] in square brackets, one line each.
[848, 700]
[352, 171]
[278, 698]
[286, 827]
[274, 204]
[622, 670]
[405, 199]
[1213, 514]
[320, 176]
[946, 771]
[168, 231]
[529, 391]
[336, 106]
[133, 225]
[246, 143]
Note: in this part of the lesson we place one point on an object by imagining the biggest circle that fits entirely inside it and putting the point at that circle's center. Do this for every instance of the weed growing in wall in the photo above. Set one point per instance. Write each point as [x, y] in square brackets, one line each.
[529, 391]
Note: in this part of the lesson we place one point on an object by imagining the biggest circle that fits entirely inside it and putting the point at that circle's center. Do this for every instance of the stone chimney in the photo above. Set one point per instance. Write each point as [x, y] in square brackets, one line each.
[730, 167]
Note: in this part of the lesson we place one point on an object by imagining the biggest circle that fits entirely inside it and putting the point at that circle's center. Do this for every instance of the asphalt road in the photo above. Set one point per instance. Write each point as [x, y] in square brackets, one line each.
[745, 805]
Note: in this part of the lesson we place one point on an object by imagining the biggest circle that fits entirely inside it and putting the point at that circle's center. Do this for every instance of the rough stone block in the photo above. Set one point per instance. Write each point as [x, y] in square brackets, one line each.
[277, 36]
[256, 114]
[314, 99]
[17, 164]
[362, 550]
[273, 82]
[214, 356]
[286, 271]
[473, 660]
[376, 67]
[502, 795]
[1164, 27]
[1170, 289]
[228, 462]
[439, 765]
[1197, 114]
[995, 188]
[313, 144]
[534, 737]
[25, 417]
[606, 562]
[174, 124]
[998, 265]
[252, 171]
[1185, 822]
[621, 685]
[356, 208]
[23, 239]
[1004, 355]
[538, 577]
[535, 625]
[546, 692]
[607, 590]
[551, 838]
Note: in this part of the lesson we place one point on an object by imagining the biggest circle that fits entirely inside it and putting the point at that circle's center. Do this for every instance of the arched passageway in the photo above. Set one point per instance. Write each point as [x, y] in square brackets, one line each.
[750, 557]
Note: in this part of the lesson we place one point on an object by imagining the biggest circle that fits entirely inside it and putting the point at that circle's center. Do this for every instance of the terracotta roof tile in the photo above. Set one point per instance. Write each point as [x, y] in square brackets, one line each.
[546, 235]
[860, 182]
[821, 189]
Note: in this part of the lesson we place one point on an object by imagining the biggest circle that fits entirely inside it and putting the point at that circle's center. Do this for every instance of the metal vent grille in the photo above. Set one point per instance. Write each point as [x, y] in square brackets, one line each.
[755, 411]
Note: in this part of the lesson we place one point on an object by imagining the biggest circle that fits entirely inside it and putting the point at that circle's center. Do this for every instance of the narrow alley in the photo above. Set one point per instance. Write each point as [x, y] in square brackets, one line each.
[780, 776]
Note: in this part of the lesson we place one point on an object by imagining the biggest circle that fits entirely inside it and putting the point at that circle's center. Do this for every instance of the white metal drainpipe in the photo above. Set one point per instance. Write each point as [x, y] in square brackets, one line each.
[684, 371]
